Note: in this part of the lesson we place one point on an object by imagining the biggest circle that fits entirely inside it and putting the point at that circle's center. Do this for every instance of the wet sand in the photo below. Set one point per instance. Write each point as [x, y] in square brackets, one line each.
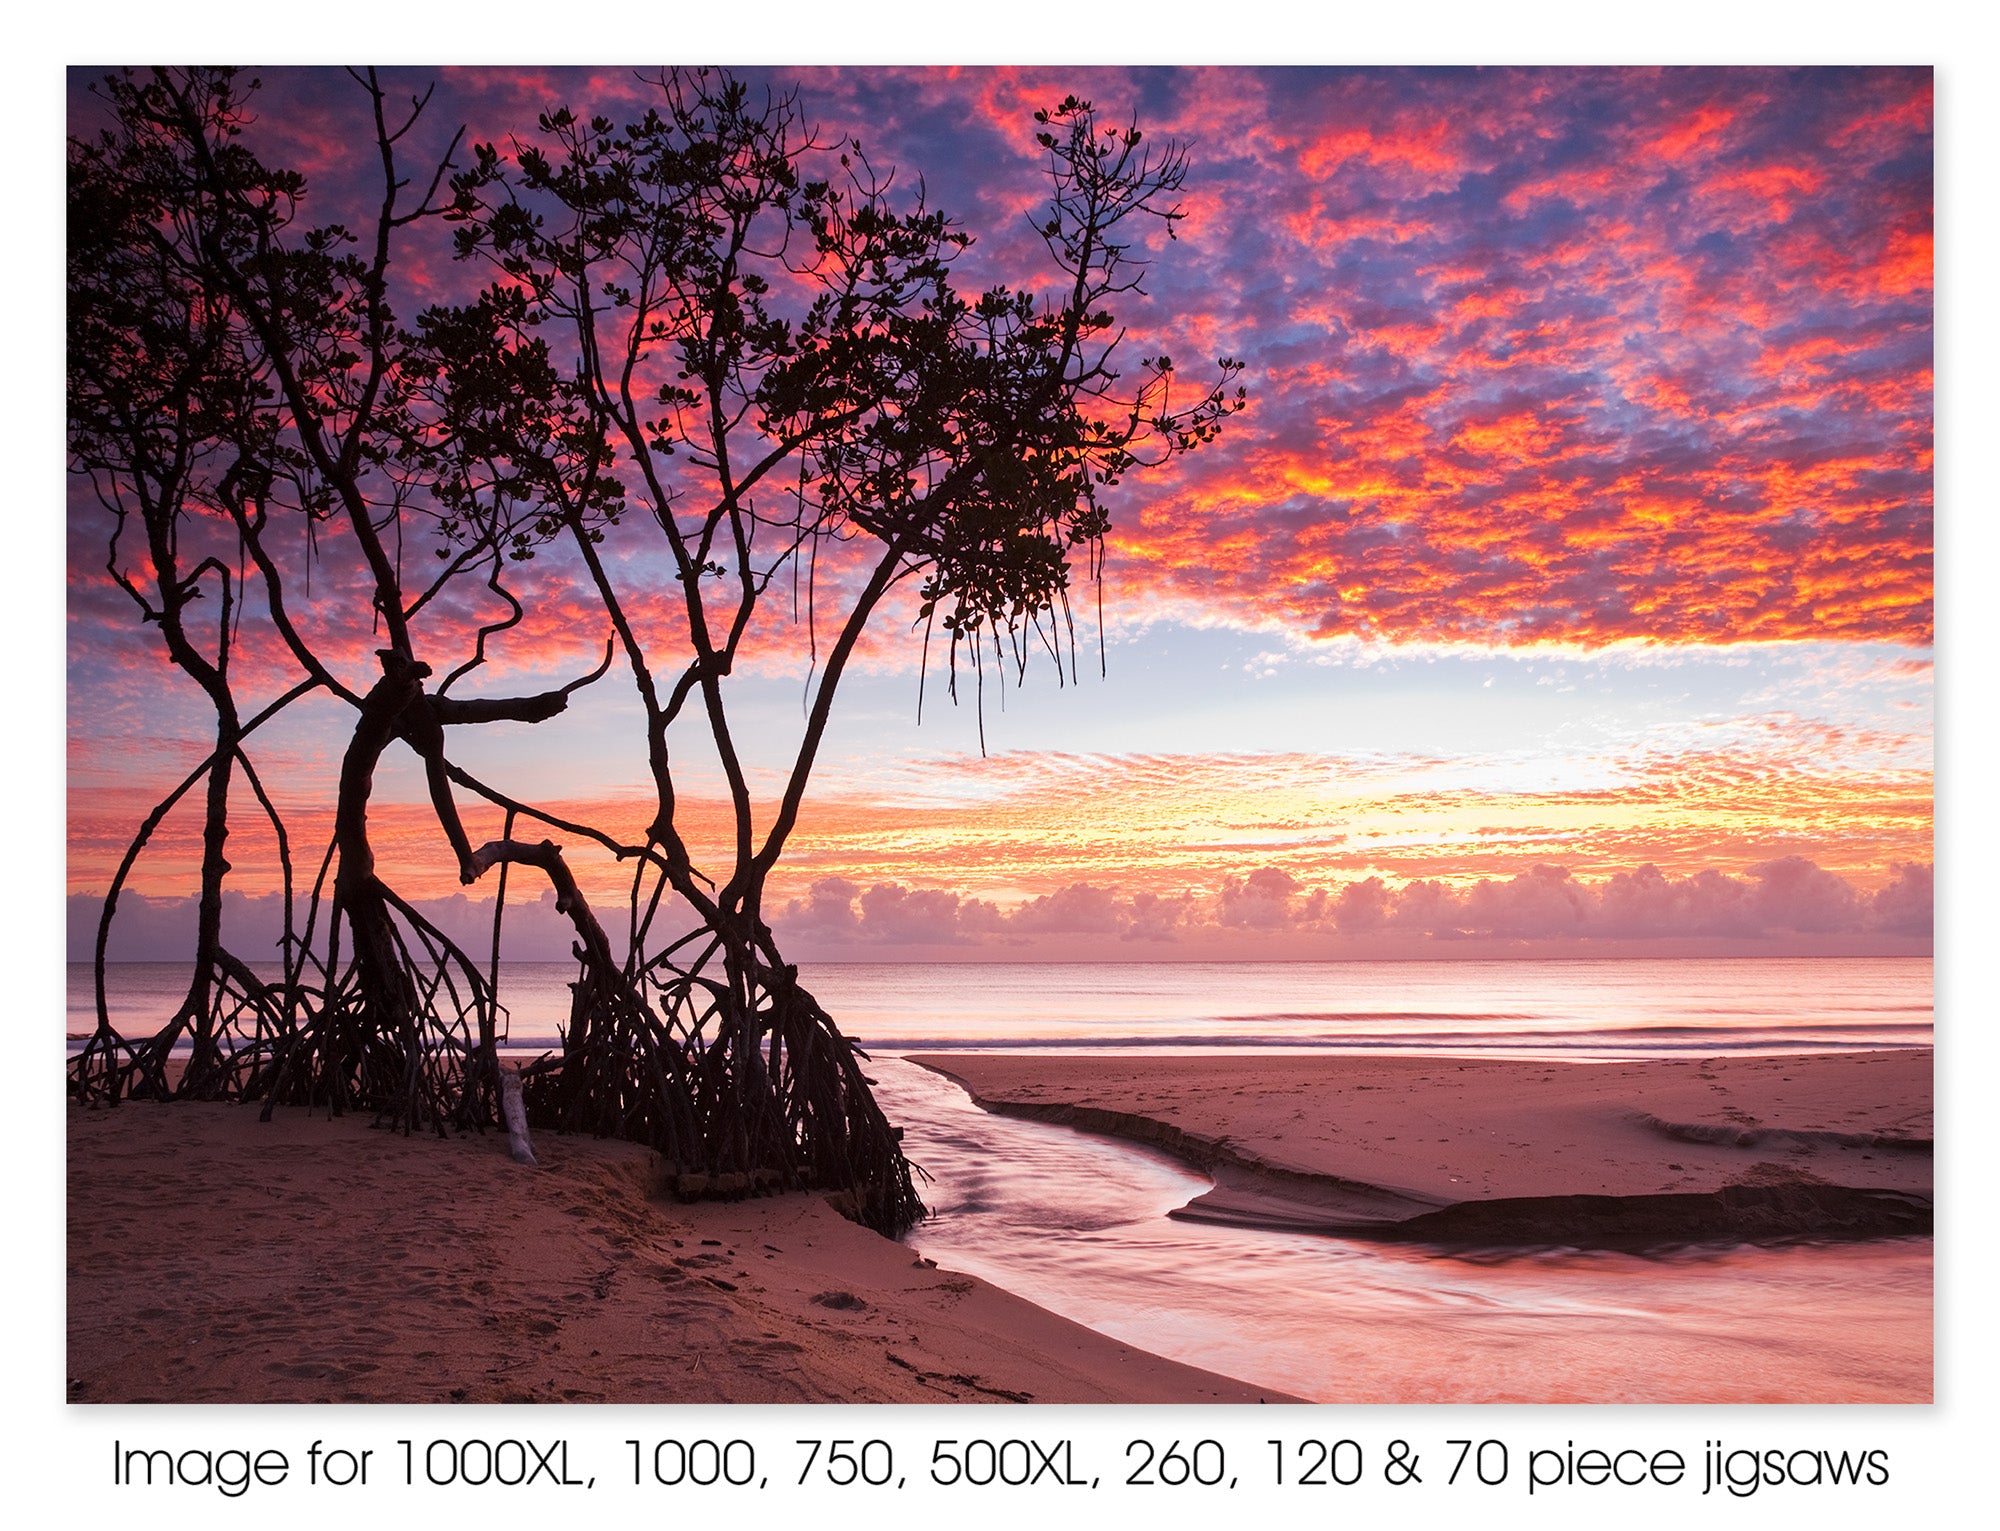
[1500, 1152]
[212, 1258]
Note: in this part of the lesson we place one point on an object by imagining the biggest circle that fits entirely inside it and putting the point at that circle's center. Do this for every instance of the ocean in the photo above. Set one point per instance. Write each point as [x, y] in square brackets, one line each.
[1077, 1223]
[1577, 1010]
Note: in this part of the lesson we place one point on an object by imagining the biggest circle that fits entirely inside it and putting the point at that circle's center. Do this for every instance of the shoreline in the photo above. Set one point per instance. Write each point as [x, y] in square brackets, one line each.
[213, 1258]
[1634, 1155]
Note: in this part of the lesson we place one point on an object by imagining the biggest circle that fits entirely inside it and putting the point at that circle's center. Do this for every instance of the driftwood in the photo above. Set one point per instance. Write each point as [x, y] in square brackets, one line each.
[515, 1114]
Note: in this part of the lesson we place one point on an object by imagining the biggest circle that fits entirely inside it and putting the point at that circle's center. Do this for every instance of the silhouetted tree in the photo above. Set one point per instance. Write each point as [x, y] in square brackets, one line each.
[227, 361]
[160, 389]
[780, 352]
[736, 351]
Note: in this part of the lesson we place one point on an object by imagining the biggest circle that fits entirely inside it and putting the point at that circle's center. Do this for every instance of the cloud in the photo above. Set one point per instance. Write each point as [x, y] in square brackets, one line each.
[888, 914]
[1575, 357]
[1904, 905]
[830, 908]
[1362, 906]
[1580, 354]
[1260, 901]
[1077, 909]
[163, 929]
[1788, 897]
[1794, 894]
[1543, 901]
[1783, 898]
[1646, 901]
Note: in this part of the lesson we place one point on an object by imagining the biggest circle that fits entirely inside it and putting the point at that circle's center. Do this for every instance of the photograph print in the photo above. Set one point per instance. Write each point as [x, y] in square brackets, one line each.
[1113, 735]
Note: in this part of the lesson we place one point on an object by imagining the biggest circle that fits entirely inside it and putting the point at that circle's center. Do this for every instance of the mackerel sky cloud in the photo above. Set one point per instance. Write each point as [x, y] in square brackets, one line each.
[1571, 355]
[1581, 512]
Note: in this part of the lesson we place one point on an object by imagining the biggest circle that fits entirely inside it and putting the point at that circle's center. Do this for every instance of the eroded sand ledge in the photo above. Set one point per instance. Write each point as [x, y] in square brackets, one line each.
[1493, 1153]
[213, 1258]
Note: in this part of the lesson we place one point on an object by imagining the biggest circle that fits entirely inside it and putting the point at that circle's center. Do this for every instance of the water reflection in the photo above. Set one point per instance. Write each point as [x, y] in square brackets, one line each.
[1078, 1224]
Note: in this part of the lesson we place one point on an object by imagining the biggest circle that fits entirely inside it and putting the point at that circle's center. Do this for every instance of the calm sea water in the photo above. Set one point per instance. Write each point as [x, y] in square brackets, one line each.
[1078, 1223]
[1570, 1009]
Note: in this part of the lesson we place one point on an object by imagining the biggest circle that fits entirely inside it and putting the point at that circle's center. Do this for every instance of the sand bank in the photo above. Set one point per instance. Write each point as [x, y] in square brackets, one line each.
[213, 1258]
[1478, 1152]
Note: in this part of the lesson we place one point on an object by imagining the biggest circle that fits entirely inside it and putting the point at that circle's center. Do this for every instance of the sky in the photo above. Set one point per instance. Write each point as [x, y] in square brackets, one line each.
[1565, 586]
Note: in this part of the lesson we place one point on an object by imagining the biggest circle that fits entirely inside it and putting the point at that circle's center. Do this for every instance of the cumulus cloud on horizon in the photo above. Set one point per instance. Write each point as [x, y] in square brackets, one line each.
[1790, 895]
[1785, 896]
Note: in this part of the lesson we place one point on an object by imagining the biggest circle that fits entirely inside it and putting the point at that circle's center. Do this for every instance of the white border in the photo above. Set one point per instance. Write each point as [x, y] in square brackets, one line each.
[55, 1454]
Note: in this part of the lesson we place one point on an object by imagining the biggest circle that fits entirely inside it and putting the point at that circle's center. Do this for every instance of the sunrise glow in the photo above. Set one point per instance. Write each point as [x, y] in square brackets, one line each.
[1580, 520]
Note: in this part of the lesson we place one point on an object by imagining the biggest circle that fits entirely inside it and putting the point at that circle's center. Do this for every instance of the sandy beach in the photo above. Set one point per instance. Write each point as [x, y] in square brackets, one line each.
[213, 1258]
[1504, 1152]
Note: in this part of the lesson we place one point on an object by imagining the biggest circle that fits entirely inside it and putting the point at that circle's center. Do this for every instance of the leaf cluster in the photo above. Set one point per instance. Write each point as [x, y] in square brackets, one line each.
[776, 335]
